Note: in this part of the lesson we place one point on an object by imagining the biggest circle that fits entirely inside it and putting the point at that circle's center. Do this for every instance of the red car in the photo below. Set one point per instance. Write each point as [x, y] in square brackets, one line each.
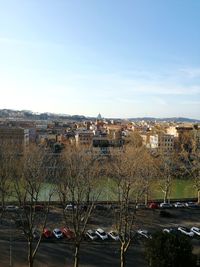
[153, 205]
[47, 233]
[68, 233]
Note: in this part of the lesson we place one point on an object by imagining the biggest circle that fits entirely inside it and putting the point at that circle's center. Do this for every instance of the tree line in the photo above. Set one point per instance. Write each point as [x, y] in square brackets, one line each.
[74, 176]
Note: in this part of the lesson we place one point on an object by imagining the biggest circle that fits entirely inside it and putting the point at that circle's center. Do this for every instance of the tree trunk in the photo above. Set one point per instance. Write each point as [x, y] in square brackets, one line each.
[166, 193]
[30, 254]
[146, 198]
[198, 194]
[122, 256]
[76, 255]
[3, 200]
[165, 197]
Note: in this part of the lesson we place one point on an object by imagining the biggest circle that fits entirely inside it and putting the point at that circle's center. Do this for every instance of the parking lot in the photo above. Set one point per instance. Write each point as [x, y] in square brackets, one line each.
[59, 252]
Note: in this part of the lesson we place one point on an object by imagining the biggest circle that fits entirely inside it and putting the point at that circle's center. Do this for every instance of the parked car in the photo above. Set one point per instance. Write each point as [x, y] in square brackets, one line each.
[21, 222]
[153, 205]
[36, 234]
[186, 231]
[171, 231]
[179, 205]
[57, 233]
[26, 208]
[70, 207]
[114, 207]
[101, 207]
[144, 233]
[47, 233]
[11, 208]
[191, 204]
[113, 235]
[101, 233]
[91, 234]
[39, 207]
[85, 207]
[68, 233]
[165, 205]
[140, 206]
[195, 230]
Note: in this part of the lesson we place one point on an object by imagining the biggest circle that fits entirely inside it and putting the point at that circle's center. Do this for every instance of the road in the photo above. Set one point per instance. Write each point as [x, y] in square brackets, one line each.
[93, 254]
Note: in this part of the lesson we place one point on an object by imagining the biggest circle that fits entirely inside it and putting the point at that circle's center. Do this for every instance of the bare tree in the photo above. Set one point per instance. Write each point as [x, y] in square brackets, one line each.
[29, 183]
[124, 170]
[190, 164]
[147, 172]
[133, 140]
[167, 172]
[77, 187]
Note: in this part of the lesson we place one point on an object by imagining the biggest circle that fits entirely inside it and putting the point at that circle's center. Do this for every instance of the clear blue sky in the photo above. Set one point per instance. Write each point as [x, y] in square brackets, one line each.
[119, 58]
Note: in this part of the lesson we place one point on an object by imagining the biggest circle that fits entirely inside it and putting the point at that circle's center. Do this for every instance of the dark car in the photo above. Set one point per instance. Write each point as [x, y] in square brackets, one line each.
[39, 207]
[173, 231]
[101, 207]
[21, 223]
[36, 234]
[26, 208]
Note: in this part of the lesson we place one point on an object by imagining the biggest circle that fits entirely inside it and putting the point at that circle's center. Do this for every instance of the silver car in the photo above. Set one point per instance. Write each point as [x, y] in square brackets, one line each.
[101, 233]
[186, 231]
[195, 230]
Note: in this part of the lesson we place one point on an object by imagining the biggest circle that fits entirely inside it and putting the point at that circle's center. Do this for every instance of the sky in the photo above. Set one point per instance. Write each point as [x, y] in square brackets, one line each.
[124, 59]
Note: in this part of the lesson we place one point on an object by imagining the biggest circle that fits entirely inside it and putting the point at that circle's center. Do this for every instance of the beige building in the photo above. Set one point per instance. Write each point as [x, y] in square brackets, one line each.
[84, 138]
[172, 130]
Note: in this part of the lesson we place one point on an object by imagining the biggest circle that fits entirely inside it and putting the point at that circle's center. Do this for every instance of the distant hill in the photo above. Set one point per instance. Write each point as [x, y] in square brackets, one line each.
[173, 119]
[29, 115]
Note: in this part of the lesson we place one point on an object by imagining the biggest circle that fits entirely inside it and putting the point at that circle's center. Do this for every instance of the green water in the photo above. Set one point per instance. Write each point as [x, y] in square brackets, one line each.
[108, 192]
[180, 189]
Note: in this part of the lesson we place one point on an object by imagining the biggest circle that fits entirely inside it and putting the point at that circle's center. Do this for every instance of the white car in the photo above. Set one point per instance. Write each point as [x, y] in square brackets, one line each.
[70, 207]
[165, 205]
[113, 235]
[91, 234]
[144, 233]
[57, 233]
[195, 230]
[101, 233]
[186, 231]
[11, 208]
[179, 205]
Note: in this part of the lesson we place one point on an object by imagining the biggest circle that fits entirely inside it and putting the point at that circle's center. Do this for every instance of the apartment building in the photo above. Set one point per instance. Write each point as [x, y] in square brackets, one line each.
[161, 142]
[16, 137]
[165, 143]
[84, 138]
